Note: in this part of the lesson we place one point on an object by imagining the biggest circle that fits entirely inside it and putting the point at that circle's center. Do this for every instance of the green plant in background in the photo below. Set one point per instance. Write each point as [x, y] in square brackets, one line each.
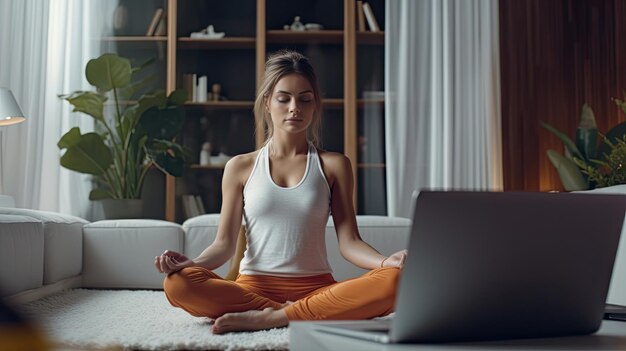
[132, 138]
[585, 164]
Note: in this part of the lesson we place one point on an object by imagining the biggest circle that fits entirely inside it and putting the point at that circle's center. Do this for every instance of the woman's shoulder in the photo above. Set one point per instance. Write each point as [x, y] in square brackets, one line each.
[241, 164]
[334, 159]
[335, 165]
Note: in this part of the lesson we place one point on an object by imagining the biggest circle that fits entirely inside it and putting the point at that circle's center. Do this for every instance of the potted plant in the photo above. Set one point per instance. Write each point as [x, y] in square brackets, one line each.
[131, 136]
[587, 164]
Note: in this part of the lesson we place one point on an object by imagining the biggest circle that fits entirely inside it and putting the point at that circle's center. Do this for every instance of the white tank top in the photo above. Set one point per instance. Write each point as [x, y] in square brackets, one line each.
[286, 226]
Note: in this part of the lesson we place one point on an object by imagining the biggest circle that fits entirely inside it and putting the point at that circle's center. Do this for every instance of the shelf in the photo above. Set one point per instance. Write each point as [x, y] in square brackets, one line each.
[135, 39]
[221, 105]
[371, 165]
[370, 38]
[305, 37]
[332, 103]
[235, 105]
[224, 43]
[362, 102]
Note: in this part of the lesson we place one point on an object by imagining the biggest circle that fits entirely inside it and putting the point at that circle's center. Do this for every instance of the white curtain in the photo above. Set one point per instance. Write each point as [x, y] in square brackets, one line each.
[44, 47]
[442, 91]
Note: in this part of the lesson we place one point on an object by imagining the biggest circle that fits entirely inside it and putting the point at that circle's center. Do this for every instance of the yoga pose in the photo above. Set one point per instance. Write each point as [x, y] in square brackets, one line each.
[285, 192]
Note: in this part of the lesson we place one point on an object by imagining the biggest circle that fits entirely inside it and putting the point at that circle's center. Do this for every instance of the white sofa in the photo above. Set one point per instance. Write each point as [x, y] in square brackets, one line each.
[42, 252]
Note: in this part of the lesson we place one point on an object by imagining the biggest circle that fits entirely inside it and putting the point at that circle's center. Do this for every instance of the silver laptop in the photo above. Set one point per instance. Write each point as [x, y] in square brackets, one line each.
[488, 266]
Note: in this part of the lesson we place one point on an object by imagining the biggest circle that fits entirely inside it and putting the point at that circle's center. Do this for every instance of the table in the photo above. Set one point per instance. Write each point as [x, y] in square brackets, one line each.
[304, 337]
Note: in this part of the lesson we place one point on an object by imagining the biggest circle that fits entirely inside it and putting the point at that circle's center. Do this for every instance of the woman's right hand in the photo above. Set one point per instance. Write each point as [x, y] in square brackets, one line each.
[171, 261]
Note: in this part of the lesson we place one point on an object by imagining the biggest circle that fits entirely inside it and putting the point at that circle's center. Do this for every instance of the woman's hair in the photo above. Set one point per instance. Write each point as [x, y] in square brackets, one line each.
[278, 65]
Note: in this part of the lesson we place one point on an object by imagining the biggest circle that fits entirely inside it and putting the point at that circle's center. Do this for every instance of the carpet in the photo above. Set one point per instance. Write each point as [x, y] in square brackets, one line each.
[136, 319]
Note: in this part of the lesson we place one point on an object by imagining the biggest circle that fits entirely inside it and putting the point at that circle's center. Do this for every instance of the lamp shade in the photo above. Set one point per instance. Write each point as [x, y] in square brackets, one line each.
[10, 112]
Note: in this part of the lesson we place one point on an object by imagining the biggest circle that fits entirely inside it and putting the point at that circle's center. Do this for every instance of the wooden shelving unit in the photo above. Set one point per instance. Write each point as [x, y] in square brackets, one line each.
[252, 30]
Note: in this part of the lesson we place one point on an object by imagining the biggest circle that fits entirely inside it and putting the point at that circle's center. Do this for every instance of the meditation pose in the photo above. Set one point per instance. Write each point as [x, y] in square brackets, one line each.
[284, 192]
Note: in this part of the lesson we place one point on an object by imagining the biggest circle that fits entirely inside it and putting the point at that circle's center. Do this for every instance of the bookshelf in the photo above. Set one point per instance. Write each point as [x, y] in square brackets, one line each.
[344, 57]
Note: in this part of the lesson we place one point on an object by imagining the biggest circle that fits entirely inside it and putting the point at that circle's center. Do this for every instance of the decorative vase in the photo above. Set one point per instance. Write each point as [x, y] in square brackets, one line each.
[122, 208]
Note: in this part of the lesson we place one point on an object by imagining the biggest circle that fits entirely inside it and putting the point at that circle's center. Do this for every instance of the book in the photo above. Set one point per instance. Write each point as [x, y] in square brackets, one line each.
[360, 16]
[161, 28]
[200, 204]
[156, 18]
[371, 19]
[189, 85]
[201, 89]
[190, 206]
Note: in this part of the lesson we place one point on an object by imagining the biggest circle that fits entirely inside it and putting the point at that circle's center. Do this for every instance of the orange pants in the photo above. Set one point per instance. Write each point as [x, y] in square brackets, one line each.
[203, 293]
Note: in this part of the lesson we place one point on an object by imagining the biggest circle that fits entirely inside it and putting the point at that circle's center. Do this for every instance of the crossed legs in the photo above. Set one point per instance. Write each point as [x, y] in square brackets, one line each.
[238, 306]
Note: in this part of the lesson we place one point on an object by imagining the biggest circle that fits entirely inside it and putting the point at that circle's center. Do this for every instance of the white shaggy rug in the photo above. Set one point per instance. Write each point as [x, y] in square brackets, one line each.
[137, 320]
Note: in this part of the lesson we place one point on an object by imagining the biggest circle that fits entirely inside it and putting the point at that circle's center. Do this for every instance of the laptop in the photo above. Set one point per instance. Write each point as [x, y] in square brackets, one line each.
[499, 265]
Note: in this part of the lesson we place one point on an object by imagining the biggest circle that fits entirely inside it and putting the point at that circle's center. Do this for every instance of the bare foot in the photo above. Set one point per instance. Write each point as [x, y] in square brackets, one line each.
[250, 320]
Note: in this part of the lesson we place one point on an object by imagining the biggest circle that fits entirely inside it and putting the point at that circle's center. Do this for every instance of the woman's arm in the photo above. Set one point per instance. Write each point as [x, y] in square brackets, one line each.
[221, 250]
[338, 172]
[236, 173]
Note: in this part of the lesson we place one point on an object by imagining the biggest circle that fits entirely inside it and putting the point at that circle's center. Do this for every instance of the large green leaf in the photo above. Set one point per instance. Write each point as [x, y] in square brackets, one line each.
[161, 123]
[156, 99]
[587, 134]
[85, 153]
[571, 176]
[168, 156]
[108, 71]
[567, 142]
[177, 97]
[87, 102]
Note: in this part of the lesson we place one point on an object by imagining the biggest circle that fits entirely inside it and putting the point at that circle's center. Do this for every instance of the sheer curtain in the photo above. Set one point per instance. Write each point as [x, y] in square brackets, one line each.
[44, 46]
[442, 87]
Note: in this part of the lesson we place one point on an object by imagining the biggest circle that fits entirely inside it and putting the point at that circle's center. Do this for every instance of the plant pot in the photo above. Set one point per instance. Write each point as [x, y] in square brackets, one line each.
[122, 208]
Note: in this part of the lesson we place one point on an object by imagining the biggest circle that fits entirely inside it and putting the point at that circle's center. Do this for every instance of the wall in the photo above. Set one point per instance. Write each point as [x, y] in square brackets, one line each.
[555, 56]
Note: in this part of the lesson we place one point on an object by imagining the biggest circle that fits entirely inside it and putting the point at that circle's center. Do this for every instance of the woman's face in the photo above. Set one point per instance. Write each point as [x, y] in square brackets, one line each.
[292, 104]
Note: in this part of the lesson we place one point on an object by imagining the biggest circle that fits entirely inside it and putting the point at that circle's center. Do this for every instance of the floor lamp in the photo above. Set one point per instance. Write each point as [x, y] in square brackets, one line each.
[10, 113]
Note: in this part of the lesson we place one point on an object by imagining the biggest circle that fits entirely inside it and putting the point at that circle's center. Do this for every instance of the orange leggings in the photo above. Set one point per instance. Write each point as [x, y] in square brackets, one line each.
[203, 293]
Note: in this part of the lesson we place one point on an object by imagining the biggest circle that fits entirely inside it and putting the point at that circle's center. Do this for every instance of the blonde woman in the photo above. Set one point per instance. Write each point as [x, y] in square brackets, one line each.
[285, 192]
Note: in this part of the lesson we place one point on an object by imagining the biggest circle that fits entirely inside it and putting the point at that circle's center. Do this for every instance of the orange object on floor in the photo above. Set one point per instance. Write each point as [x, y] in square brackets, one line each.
[203, 293]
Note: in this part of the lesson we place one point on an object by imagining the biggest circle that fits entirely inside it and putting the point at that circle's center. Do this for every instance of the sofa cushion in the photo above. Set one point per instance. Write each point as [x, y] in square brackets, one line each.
[385, 234]
[200, 231]
[21, 254]
[120, 253]
[63, 237]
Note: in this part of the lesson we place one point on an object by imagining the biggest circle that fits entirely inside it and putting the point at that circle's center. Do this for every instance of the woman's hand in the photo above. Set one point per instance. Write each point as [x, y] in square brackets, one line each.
[171, 261]
[395, 260]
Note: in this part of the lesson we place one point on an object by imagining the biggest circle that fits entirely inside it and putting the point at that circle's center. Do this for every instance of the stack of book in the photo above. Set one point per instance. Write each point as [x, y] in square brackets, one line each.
[196, 87]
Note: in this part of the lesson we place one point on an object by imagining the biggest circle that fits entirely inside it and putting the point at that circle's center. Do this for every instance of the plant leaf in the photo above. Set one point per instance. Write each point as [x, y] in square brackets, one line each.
[169, 157]
[108, 71]
[567, 142]
[85, 153]
[87, 102]
[587, 133]
[162, 123]
[615, 134]
[177, 97]
[571, 176]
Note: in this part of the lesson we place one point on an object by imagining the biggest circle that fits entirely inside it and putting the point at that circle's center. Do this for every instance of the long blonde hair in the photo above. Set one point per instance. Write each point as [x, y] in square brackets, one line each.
[278, 65]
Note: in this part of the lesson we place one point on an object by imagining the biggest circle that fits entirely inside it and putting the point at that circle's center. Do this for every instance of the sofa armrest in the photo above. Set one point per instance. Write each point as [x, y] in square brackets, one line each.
[63, 238]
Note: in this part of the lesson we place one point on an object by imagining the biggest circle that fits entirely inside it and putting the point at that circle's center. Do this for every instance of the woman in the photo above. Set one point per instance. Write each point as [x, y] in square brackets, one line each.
[285, 191]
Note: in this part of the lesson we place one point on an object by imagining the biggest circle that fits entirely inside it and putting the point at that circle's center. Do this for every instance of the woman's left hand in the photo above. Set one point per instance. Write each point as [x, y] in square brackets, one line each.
[396, 260]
